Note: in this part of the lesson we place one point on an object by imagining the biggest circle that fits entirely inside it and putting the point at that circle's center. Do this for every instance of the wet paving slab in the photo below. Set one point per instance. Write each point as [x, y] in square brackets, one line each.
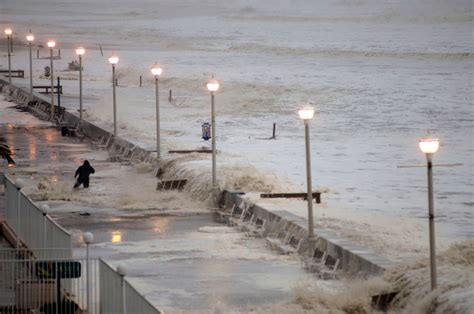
[178, 266]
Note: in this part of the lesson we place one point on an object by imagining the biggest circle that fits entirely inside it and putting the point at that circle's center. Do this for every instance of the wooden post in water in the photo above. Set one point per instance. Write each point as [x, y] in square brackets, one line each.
[274, 131]
[101, 52]
[140, 81]
[170, 97]
[37, 53]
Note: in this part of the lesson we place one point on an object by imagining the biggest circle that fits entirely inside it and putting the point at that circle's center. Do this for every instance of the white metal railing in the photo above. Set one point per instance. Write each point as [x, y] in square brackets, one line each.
[24, 286]
[32, 285]
[39, 254]
[85, 285]
[136, 303]
[11, 202]
[110, 290]
[31, 225]
[118, 295]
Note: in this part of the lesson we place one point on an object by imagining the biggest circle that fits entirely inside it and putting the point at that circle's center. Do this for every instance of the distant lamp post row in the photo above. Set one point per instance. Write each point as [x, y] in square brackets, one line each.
[51, 44]
[8, 32]
[30, 38]
[429, 146]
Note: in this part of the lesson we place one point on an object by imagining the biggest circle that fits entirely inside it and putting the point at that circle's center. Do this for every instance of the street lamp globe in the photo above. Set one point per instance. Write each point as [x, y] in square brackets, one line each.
[122, 270]
[30, 37]
[306, 113]
[88, 237]
[45, 208]
[51, 44]
[8, 31]
[80, 51]
[429, 145]
[213, 85]
[113, 59]
[156, 70]
[19, 183]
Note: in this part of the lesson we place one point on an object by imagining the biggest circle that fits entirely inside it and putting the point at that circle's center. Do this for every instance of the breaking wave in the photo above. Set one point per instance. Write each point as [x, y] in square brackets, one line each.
[455, 292]
[195, 168]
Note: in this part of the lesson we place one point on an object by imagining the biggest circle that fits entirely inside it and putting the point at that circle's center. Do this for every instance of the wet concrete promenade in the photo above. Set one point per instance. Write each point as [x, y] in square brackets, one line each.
[176, 255]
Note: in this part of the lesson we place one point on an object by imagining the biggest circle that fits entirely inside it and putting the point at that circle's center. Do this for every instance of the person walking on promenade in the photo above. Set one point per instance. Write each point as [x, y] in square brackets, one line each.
[82, 174]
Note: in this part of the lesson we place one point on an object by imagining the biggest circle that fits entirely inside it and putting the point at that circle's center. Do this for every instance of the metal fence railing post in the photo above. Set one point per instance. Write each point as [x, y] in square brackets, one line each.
[122, 271]
[19, 184]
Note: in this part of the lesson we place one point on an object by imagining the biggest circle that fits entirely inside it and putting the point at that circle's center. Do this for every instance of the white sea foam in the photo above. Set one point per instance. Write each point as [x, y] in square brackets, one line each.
[455, 283]
[196, 170]
[411, 281]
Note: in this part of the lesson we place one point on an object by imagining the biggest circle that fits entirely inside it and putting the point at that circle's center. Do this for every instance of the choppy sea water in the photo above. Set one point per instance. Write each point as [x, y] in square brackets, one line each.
[382, 74]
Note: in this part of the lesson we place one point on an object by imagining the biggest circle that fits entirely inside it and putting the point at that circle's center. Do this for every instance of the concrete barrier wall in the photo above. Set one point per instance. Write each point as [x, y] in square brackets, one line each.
[353, 258]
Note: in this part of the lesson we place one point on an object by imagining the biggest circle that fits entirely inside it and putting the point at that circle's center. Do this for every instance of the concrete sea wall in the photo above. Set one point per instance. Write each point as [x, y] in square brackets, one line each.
[352, 257]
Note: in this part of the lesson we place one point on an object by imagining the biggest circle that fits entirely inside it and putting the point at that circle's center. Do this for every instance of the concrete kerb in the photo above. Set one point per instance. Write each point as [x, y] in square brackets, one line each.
[353, 258]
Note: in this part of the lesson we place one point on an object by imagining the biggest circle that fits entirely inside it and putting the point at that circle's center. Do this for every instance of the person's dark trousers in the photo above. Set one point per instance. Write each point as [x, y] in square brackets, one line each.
[79, 182]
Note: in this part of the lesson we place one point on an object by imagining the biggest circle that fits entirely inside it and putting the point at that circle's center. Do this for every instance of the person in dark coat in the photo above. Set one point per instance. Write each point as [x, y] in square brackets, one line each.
[82, 174]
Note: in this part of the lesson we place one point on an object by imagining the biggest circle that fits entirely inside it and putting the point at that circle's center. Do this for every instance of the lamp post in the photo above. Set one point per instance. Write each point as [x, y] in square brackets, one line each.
[156, 70]
[306, 114]
[80, 52]
[30, 37]
[429, 146]
[51, 44]
[8, 32]
[113, 61]
[213, 86]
